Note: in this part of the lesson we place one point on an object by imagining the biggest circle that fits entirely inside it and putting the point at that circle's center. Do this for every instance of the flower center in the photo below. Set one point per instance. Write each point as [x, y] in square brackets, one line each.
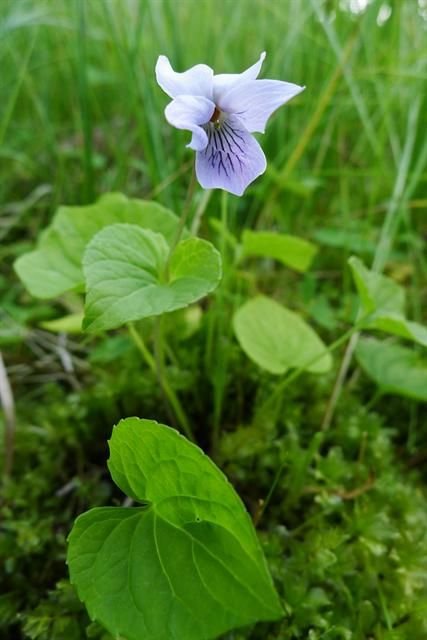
[215, 116]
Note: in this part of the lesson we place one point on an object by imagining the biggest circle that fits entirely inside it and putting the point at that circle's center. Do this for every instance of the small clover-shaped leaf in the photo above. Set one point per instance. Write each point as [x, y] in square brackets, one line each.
[186, 565]
[278, 339]
[128, 276]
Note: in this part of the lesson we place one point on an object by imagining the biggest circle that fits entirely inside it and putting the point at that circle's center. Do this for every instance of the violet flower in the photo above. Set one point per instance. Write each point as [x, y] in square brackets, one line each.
[222, 112]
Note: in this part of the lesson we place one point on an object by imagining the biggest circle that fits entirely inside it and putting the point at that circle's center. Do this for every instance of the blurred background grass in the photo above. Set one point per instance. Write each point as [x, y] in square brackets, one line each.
[81, 112]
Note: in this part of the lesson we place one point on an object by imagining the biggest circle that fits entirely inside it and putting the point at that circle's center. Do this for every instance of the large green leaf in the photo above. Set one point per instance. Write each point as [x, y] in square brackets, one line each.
[291, 251]
[125, 270]
[278, 339]
[187, 564]
[394, 368]
[383, 304]
[55, 266]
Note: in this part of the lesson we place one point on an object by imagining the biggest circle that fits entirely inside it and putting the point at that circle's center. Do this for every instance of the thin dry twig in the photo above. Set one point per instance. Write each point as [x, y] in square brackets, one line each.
[351, 494]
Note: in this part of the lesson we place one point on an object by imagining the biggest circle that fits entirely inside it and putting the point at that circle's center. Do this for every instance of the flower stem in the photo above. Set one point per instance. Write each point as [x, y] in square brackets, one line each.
[224, 223]
[141, 346]
[156, 365]
[195, 225]
[182, 219]
[216, 329]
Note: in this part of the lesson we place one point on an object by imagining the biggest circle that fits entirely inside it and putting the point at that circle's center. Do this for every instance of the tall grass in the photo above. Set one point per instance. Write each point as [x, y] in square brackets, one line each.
[80, 109]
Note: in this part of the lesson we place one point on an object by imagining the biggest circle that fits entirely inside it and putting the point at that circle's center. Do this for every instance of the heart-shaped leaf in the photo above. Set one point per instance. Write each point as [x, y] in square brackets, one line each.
[278, 339]
[394, 368]
[55, 266]
[187, 564]
[383, 304]
[291, 251]
[125, 269]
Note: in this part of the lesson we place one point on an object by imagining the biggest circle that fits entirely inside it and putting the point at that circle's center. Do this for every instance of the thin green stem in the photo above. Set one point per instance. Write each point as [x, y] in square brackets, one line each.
[217, 326]
[156, 365]
[287, 380]
[141, 346]
[297, 482]
[195, 225]
[377, 395]
[159, 356]
[168, 391]
[342, 373]
[224, 224]
[272, 489]
[182, 219]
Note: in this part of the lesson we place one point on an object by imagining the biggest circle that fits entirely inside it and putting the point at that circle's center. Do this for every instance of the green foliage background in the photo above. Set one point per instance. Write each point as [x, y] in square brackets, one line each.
[80, 114]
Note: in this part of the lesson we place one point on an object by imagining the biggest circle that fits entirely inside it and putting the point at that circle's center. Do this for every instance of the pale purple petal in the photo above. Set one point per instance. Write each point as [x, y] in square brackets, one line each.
[197, 81]
[225, 81]
[189, 112]
[254, 101]
[232, 159]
